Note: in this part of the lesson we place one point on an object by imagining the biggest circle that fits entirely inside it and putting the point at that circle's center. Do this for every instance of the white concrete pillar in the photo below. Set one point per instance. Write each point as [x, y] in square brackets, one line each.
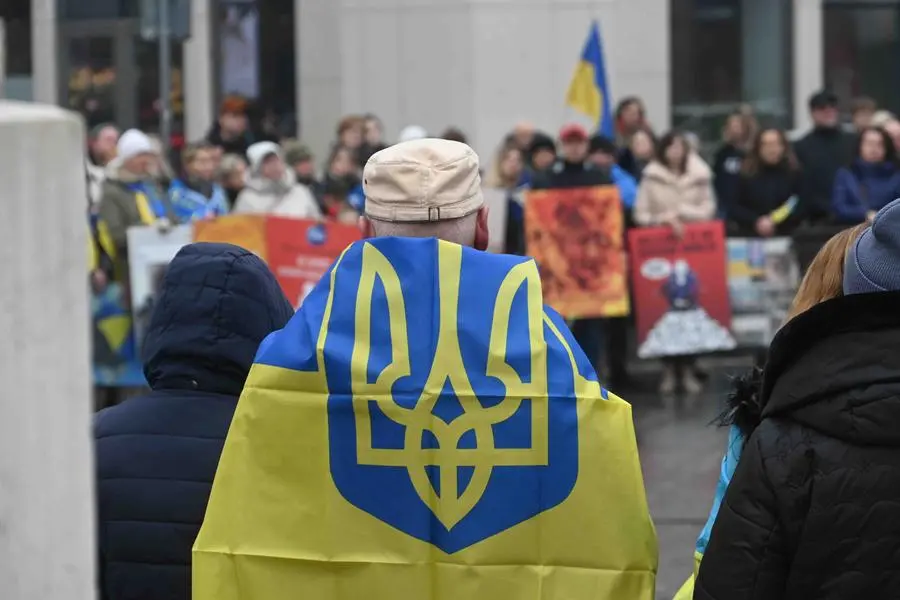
[47, 548]
[44, 51]
[198, 72]
[809, 51]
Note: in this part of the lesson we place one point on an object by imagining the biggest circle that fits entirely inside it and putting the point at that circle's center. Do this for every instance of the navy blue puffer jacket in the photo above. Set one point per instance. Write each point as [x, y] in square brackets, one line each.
[157, 454]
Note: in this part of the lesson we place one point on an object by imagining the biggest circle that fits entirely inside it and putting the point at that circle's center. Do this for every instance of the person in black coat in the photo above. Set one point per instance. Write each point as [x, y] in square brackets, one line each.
[728, 160]
[811, 511]
[770, 180]
[822, 152]
[571, 169]
[156, 455]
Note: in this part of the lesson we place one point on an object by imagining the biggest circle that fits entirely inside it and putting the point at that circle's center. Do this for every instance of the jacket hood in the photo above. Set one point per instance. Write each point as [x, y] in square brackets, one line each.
[218, 302]
[697, 171]
[836, 369]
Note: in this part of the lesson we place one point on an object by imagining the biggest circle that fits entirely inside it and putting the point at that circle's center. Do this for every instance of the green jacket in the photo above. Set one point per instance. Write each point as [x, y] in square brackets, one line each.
[120, 209]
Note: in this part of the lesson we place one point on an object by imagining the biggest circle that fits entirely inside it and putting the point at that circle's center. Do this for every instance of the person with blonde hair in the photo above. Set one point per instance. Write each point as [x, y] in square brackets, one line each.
[823, 281]
[811, 509]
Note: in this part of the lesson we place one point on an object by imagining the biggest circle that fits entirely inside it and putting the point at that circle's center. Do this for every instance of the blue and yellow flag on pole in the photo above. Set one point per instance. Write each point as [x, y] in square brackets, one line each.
[589, 91]
[424, 429]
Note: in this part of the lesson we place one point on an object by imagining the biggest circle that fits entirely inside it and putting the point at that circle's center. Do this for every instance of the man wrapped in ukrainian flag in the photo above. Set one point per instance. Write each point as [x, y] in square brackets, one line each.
[424, 428]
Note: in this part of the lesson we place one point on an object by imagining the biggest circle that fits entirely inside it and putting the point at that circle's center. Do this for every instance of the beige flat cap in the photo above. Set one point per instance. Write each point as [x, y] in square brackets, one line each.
[422, 180]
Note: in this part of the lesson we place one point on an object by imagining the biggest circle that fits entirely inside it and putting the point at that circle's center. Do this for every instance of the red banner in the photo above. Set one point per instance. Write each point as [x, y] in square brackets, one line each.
[298, 251]
[681, 290]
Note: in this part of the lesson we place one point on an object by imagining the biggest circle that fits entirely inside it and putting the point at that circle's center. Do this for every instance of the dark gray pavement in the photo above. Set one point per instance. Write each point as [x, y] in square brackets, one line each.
[681, 453]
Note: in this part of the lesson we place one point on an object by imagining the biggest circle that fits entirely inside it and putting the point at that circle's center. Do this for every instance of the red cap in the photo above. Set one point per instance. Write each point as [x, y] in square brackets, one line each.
[573, 131]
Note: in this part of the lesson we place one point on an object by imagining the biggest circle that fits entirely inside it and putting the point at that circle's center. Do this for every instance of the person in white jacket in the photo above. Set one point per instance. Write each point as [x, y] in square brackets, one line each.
[272, 188]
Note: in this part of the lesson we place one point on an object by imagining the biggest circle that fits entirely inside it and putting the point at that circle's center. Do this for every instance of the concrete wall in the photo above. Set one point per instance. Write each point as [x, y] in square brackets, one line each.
[480, 65]
[46, 474]
[809, 53]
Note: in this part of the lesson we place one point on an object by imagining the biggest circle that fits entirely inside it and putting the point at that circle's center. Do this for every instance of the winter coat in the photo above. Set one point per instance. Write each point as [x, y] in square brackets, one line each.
[236, 145]
[821, 152]
[763, 193]
[811, 509]
[284, 198]
[128, 201]
[864, 187]
[563, 174]
[191, 203]
[157, 454]
[664, 195]
[727, 176]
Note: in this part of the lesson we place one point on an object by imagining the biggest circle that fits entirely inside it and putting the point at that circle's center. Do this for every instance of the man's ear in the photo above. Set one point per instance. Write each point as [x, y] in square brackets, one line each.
[482, 234]
[366, 228]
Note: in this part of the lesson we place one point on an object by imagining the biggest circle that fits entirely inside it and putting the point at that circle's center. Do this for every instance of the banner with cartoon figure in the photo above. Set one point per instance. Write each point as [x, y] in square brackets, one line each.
[681, 291]
[576, 237]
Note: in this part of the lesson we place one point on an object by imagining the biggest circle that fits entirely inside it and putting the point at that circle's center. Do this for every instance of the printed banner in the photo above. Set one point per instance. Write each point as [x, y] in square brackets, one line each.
[246, 231]
[149, 255]
[298, 251]
[763, 275]
[576, 237]
[680, 290]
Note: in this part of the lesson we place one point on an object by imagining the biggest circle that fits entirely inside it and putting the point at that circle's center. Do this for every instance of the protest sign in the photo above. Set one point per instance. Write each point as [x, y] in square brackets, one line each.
[246, 231]
[300, 252]
[149, 254]
[680, 289]
[575, 235]
[763, 275]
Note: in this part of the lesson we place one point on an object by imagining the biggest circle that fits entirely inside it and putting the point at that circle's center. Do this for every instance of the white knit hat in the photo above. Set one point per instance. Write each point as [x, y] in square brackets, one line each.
[132, 143]
[258, 152]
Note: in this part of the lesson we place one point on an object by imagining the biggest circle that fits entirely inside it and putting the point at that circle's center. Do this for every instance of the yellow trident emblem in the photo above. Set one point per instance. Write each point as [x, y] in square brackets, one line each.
[450, 506]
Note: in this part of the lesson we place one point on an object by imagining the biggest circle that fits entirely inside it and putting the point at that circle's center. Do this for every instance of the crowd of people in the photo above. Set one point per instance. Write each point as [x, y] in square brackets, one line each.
[809, 481]
[758, 181]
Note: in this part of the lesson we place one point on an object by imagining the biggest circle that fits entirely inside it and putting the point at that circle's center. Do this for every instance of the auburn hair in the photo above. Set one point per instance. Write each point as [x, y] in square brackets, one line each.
[349, 122]
[824, 279]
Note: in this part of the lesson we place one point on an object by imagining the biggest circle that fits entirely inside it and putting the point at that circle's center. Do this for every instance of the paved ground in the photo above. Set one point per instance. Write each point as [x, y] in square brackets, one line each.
[681, 454]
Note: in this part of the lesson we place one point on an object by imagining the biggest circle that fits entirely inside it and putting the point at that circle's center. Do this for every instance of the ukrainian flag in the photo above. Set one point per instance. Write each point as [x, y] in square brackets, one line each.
[424, 429]
[589, 91]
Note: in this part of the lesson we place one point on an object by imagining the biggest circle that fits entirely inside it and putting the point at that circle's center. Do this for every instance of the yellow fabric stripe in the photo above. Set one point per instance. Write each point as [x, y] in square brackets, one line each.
[144, 209]
[583, 94]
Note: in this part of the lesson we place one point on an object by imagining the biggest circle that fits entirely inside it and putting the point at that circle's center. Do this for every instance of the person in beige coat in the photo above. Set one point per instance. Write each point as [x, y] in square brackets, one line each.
[272, 188]
[676, 188]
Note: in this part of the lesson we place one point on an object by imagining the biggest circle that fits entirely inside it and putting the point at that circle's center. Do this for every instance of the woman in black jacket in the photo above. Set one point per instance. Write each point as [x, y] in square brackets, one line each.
[768, 190]
[812, 509]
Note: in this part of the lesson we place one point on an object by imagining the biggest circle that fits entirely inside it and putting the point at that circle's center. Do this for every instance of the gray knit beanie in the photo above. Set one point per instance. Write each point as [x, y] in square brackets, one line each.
[873, 262]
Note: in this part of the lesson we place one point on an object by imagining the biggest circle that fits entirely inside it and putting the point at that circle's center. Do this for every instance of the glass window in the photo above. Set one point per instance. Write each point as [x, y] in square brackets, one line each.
[726, 53]
[862, 43]
[92, 78]
[96, 9]
[148, 98]
[252, 33]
